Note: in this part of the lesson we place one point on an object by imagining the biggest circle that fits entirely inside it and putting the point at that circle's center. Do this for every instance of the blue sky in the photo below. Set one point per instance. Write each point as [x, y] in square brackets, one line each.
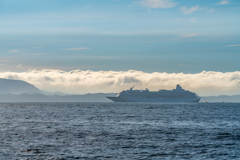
[146, 35]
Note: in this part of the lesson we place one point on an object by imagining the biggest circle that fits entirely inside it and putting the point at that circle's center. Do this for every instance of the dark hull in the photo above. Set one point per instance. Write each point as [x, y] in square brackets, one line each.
[118, 99]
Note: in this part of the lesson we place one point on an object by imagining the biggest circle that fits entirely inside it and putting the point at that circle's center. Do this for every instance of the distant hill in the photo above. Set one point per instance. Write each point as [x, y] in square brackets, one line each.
[25, 97]
[95, 97]
[8, 86]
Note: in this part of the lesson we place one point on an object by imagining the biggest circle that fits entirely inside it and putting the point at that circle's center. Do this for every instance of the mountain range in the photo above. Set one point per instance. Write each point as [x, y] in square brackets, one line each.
[21, 91]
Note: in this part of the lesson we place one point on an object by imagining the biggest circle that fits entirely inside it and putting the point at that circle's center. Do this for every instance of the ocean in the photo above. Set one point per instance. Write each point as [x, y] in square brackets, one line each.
[119, 131]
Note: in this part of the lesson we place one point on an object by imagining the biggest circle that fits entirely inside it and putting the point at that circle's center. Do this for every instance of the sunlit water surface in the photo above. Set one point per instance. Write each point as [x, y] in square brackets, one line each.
[119, 131]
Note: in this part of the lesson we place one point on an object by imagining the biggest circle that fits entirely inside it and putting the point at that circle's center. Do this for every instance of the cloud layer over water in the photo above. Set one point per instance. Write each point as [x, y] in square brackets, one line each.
[80, 82]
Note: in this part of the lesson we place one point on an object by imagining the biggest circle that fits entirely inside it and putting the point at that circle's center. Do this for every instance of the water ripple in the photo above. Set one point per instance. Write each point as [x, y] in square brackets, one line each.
[119, 131]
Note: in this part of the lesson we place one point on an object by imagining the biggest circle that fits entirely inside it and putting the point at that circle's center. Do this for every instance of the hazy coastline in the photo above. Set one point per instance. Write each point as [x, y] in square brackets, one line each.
[21, 91]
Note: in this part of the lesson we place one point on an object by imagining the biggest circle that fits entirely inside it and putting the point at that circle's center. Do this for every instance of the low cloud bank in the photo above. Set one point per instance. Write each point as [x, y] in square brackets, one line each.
[80, 82]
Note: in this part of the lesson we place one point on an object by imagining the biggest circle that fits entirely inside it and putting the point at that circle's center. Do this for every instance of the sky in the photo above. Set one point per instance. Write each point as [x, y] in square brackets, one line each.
[167, 38]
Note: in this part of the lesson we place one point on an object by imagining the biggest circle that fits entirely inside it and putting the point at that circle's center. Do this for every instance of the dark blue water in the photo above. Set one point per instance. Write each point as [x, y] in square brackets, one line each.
[119, 131]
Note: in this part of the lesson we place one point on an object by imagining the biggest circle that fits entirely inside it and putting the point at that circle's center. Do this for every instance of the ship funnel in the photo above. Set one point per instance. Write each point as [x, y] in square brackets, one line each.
[178, 87]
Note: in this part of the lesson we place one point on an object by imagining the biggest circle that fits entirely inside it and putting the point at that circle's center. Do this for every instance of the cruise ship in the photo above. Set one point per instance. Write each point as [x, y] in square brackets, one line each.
[175, 95]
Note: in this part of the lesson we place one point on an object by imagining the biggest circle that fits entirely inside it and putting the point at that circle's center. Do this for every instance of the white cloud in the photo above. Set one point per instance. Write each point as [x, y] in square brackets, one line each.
[19, 66]
[79, 81]
[35, 54]
[185, 10]
[37, 47]
[182, 65]
[75, 49]
[210, 10]
[223, 2]
[3, 60]
[193, 20]
[189, 35]
[14, 51]
[157, 3]
[235, 45]
[102, 57]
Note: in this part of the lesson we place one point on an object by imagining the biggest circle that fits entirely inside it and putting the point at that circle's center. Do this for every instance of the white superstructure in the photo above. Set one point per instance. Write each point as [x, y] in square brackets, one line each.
[175, 95]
